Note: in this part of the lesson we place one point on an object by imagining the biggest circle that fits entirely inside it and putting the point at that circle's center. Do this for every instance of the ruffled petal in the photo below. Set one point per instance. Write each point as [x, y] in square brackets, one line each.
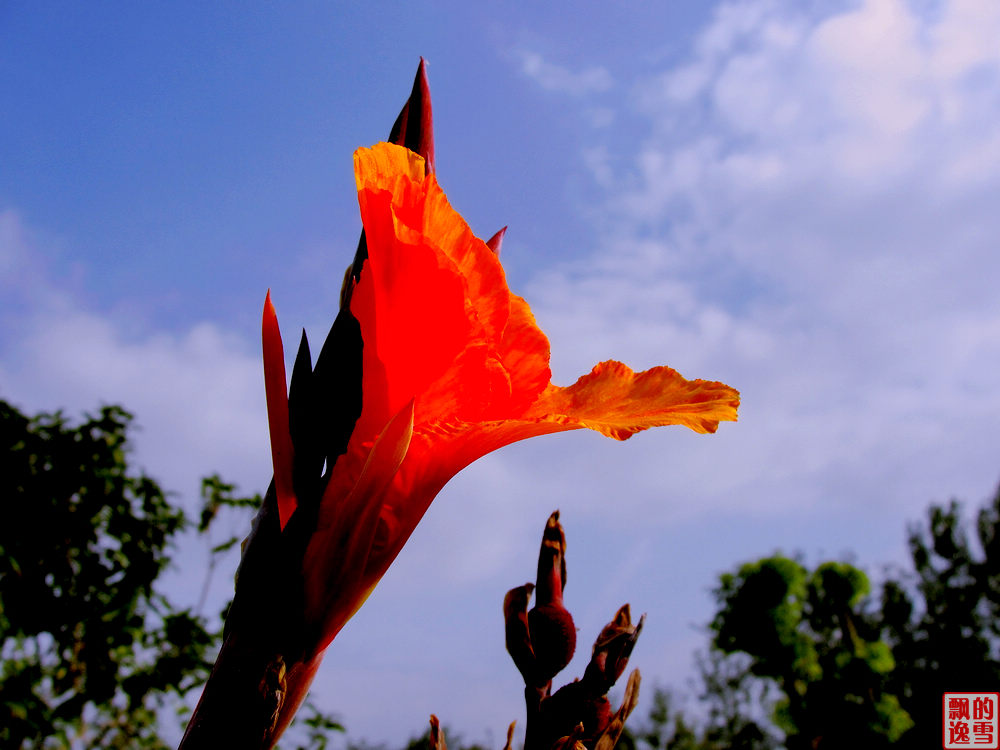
[617, 402]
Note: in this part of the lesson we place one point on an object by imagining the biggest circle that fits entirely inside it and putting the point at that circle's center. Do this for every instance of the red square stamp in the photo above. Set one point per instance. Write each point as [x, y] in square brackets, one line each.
[971, 720]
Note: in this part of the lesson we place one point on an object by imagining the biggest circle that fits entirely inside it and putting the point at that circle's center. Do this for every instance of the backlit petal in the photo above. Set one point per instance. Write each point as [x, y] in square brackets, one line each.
[619, 403]
[443, 334]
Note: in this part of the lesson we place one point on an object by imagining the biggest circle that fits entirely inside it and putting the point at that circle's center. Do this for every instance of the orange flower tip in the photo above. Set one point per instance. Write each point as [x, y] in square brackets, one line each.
[380, 165]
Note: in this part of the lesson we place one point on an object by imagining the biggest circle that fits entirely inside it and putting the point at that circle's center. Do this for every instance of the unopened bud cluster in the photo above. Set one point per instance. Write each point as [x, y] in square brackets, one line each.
[542, 640]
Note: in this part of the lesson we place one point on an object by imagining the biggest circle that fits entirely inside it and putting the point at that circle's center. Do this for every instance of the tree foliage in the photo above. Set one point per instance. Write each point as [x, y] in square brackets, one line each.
[90, 649]
[942, 620]
[90, 652]
[809, 632]
[815, 658]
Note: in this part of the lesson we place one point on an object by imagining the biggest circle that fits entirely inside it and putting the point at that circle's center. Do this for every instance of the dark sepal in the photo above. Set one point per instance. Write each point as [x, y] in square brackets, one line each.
[256, 571]
[337, 386]
[305, 427]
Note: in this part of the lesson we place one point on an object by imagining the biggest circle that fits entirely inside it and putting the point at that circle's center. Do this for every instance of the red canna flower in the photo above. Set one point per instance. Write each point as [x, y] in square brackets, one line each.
[431, 364]
[454, 367]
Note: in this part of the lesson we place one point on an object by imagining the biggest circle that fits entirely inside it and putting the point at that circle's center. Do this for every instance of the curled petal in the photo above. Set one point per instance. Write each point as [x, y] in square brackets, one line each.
[518, 640]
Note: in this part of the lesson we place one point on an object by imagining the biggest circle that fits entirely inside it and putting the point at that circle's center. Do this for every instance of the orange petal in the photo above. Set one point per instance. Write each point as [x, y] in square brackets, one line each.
[451, 334]
[276, 393]
[619, 403]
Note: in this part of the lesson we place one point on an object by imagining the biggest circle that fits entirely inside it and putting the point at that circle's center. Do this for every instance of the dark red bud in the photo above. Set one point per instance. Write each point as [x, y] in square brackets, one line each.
[612, 650]
[414, 127]
[553, 633]
[553, 639]
[436, 737]
[551, 579]
[494, 242]
[575, 711]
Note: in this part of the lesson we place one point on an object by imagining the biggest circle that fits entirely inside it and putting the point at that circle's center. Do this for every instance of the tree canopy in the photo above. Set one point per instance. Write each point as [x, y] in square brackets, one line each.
[90, 649]
[92, 654]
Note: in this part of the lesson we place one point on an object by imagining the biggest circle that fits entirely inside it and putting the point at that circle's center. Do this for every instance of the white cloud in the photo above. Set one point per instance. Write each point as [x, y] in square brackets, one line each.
[812, 220]
[195, 395]
[591, 80]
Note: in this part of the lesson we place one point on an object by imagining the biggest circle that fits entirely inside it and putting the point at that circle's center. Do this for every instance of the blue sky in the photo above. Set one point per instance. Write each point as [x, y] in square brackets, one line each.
[798, 199]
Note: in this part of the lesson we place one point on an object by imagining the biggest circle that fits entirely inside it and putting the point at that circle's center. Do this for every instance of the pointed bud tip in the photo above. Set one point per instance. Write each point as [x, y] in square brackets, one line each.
[495, 242]
[623, 617]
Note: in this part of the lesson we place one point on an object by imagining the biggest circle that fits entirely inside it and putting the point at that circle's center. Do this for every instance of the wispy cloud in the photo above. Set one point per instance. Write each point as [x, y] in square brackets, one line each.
[196, 395]
[552, 77]
[810, 220]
